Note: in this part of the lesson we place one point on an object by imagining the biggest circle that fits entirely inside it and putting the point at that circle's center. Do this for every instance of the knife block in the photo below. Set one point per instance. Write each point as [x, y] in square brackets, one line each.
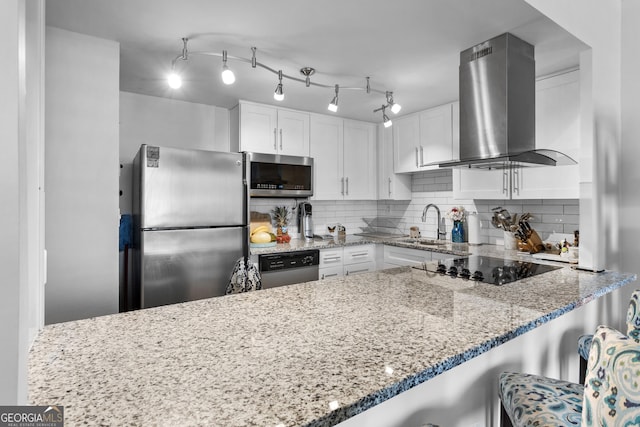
[535, 242]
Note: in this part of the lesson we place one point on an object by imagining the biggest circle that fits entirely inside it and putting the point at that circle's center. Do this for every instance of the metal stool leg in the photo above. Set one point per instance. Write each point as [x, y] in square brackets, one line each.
[583, 370]
[505, 421]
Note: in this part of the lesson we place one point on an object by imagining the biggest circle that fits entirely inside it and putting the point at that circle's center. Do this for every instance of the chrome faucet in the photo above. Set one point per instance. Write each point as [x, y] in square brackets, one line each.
[439, 234]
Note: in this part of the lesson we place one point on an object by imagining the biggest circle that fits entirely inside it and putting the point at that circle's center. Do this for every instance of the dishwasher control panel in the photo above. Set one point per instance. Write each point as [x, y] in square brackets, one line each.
[288, 260]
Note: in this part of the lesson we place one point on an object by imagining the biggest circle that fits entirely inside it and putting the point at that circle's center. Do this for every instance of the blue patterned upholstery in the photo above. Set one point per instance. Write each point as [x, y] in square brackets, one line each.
[633, 331]
[612, 387]
[532, 400]
[610, 396]
[584, 345]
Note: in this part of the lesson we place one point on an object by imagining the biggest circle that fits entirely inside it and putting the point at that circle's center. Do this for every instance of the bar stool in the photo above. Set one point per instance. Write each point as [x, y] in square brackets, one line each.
[610, 396]
[633, 331]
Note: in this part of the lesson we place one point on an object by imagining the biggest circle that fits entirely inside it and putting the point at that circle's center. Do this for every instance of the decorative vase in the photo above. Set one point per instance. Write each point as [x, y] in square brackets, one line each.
[457, 232]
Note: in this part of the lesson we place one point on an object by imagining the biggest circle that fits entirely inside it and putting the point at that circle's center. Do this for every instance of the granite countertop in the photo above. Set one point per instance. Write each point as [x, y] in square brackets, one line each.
[352, 240]
[310, 354]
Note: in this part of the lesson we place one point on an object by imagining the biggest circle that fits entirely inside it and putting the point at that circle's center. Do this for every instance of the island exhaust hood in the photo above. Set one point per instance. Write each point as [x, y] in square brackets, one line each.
[497, 107]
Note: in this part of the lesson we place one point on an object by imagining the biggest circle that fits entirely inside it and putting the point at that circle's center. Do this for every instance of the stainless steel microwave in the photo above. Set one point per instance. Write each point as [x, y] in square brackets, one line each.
[273, 175]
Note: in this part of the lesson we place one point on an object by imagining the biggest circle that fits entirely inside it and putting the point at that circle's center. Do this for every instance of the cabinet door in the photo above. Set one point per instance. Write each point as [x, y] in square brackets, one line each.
[258, 128]
[395, 256]
[330, 272]
[436, 142]
[406, 139]
[481, 184]
[326, 150]
[557, 128]
[293, 133]
[362, 267]
[359, 160]
[391, 186]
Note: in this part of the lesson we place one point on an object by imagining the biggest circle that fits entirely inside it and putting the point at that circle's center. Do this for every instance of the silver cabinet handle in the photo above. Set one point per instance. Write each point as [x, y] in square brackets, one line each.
[416, 156]
[329, 275]
[357, 271]
[516, 180]
[505, 180]
[389, 186]
[342, 186]
[357, 254]
[275, 139]
[347, 181]
[331, 258]
[421, 156]
[281, 139]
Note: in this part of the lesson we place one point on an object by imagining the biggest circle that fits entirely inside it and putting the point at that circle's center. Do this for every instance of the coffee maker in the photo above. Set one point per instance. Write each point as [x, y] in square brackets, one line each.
[305, 222]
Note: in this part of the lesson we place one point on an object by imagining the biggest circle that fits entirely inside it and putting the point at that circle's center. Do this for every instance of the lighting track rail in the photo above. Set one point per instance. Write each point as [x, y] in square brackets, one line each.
[175, 81]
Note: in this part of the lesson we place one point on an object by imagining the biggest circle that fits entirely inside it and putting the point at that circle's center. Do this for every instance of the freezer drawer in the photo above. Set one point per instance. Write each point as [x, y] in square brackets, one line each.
[178, 188]
[186, 265]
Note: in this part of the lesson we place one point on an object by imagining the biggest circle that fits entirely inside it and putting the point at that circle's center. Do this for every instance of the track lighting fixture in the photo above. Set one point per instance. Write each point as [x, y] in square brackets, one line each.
[333, 107]
[278, 95]
[228, 77]
[385, 119]
[395, 108]
[174, 79]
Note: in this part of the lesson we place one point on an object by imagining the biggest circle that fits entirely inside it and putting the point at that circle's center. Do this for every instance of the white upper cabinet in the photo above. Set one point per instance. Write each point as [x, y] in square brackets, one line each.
[327, 140]
[360, 160]
[391, 186]
[344, 153]
[436, 137]
[406, 143]
[424, 138]
[272, 130]
[557, 128]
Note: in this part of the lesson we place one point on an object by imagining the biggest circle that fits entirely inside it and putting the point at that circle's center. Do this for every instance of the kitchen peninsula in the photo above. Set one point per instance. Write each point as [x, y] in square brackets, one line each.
[311, 354]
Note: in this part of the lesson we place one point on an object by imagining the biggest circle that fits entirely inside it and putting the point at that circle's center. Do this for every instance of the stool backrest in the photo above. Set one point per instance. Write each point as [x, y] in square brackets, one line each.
[612, 387]
[633, 316]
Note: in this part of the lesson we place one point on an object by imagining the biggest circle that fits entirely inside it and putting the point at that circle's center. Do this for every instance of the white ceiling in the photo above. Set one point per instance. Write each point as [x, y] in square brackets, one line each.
[410, 47]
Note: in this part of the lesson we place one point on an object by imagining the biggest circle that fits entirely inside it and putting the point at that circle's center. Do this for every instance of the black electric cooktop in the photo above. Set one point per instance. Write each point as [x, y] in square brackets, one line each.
[496, 271]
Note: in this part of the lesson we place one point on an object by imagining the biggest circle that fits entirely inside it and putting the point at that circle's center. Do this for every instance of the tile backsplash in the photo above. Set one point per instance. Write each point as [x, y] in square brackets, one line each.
[549, 216]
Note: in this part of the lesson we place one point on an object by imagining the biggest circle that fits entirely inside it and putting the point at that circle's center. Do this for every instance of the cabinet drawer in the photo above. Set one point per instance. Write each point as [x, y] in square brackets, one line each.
[403, 256]
[330, 272]
[361, 267]
[331, 257]
[359, 254]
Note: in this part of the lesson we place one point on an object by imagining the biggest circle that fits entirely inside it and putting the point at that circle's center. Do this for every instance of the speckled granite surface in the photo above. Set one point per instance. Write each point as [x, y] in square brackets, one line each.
[352, 240]
[311, 354]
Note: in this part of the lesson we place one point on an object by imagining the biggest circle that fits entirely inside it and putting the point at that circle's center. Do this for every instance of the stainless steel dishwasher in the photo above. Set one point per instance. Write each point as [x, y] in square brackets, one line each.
[287, 268]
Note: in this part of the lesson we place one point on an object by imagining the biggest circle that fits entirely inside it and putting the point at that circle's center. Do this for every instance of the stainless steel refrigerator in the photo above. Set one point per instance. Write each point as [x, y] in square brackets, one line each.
[189, 223]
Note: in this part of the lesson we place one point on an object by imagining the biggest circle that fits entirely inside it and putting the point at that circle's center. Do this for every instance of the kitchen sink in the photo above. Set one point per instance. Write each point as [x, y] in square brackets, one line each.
[426, 242]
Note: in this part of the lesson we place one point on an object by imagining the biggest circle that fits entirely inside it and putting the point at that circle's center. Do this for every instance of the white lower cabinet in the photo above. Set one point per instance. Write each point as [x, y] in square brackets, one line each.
[331, 263]
[337, 262]
[359, 259]
[400, 257]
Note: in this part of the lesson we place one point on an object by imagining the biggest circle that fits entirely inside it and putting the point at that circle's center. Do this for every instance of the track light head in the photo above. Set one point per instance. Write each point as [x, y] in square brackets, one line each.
[333, 106]
[385, 119]
[278, 95]
[228, 77]
[174, 80]
[395, 108]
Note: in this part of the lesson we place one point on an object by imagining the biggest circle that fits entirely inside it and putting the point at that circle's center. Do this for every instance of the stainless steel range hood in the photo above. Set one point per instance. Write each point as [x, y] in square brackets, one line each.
[497, 107]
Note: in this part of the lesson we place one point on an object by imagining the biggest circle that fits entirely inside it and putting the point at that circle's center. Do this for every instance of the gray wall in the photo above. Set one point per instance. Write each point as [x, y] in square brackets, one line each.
[82, 97]
[166, 122]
